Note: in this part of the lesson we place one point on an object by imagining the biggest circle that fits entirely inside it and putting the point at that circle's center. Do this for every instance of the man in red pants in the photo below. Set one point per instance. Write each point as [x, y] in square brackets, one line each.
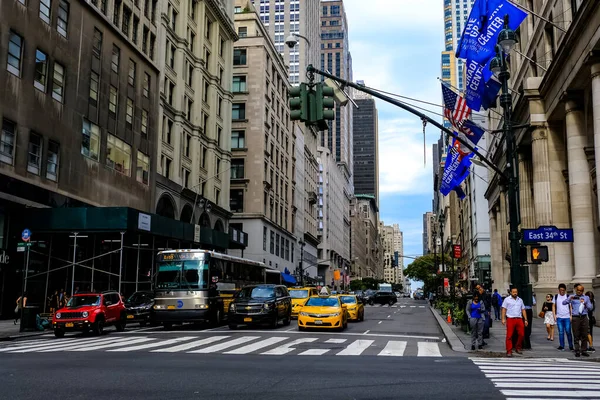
[513, 315]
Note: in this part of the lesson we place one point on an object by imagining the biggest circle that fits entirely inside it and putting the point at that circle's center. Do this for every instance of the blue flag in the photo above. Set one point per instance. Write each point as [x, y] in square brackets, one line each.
[472, 131]
[456, 169]
[481, 90]
[490, 94]
[479, 38]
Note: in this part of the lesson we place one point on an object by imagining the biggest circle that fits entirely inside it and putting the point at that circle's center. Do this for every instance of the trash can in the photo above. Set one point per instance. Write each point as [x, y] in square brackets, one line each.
[28, 322]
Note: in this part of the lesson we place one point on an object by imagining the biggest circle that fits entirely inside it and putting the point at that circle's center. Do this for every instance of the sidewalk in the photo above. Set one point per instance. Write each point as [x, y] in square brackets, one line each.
[10, 331]
[496, 343]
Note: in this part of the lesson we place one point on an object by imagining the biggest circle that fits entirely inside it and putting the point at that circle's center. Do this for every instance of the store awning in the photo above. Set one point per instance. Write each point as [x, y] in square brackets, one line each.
[287, 278]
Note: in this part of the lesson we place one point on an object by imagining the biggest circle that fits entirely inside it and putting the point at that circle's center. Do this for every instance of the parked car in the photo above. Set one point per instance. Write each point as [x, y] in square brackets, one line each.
[138, 307]
[383, 298]
[260, 304]
[90, 311]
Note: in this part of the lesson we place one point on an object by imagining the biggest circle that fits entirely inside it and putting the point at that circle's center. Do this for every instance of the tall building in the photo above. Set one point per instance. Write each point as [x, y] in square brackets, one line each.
[281, 19]
[262, 147]
[78, 106]
[399, 249]
[392, 241]
[366, 251]
[427, 233]
[366, 146]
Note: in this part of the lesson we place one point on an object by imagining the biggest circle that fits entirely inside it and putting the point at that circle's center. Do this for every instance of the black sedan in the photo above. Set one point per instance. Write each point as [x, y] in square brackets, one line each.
[138, 307]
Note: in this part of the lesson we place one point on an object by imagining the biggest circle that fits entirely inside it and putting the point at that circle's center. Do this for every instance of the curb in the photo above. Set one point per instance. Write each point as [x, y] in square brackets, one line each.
[453, 340]
[19, 336]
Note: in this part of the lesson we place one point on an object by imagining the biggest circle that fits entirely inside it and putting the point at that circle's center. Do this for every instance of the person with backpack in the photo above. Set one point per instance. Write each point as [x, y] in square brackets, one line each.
[476, 313]
[562, 315]
[497, 302]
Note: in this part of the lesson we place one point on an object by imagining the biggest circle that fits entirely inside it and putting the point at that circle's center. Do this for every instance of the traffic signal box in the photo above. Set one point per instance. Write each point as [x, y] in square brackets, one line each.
[299, 103]
[539, 254]
[313, 107]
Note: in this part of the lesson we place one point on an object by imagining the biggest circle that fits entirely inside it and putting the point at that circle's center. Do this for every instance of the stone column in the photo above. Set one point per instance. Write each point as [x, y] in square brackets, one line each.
[580, 195]
[596, 113]
[526, 206]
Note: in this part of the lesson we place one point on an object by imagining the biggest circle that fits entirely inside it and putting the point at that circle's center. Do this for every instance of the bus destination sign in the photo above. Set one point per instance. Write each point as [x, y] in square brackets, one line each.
[179, 256]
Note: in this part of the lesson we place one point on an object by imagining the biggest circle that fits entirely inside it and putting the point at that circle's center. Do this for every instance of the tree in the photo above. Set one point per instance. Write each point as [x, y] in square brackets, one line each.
[425, 269]
[365, 283]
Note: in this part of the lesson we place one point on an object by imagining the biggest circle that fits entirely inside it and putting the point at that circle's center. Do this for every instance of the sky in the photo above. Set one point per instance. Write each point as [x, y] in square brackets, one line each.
[396, 46]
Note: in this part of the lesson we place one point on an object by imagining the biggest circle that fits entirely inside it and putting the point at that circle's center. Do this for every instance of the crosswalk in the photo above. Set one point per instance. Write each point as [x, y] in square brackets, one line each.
[231, 344]
[392, 306]
[542, 378]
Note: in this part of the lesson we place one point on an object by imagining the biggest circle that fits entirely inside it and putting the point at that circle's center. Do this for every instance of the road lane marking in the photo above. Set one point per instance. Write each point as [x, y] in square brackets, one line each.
[551, 394]
[428, 349]
[47, 342]
[402, 306]
[356, 348]
[156, 344]
[389, 316]
[287, 348]
[379, 322]
[335, 340]
[74, 343]
[109, 345]
[393, 348]
[413, 306]
[187, 346]
[394, 306]
[367, 331]
[314, 352]
[421, 306]
[257, 345]
[226, 345]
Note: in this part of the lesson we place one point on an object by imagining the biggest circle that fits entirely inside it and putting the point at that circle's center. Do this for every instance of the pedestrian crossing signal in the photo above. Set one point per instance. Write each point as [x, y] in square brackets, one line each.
[539, 254]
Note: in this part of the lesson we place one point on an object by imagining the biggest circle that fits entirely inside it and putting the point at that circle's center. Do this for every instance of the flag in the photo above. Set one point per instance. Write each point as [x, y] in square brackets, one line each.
[456, 109]
[481, 89]
[490, 94]
[479, 38]
[456, 170]
[472, 131]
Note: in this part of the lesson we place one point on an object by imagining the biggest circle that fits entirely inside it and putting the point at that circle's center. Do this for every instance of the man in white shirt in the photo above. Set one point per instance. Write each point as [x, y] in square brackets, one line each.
[562, 315]
[513, 314]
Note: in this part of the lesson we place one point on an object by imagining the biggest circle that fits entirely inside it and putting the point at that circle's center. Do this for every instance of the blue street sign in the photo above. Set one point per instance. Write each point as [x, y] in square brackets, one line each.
[26, 235]
[547, 234]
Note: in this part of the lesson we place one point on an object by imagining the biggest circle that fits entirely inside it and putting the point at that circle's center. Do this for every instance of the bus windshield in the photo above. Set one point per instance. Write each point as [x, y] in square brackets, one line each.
[188, 274]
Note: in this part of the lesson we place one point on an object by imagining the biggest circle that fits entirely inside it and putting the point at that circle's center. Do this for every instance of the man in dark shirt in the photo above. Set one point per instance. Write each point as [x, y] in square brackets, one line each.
[487, 300]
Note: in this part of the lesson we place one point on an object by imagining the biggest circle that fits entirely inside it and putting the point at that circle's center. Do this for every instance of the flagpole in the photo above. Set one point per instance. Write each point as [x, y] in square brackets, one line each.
[537, 15]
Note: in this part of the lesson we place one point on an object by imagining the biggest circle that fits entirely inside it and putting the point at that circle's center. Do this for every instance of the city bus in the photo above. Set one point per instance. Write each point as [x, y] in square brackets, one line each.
[198, 285]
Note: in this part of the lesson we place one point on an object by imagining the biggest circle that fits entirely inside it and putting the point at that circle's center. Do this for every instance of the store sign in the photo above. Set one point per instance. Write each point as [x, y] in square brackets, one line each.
[4, 257]
[457, 251]
[144, 222]
[196, 233]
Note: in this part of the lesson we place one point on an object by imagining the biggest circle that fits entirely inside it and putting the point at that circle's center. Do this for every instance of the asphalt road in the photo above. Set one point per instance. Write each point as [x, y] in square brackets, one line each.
[396, 353]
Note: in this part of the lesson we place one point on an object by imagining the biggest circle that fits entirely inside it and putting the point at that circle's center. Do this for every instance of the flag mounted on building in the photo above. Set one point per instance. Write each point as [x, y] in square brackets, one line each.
[457, 112]
[458, 163]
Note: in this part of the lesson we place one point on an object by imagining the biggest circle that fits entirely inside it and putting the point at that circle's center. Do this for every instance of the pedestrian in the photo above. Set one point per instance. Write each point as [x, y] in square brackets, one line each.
[580, 307]
[476, 313]
[592, 322]
[513, 315]
[562, 316]
[21, 302]
[487, 322]
[549, 316]
[529, 314]
[497, 302]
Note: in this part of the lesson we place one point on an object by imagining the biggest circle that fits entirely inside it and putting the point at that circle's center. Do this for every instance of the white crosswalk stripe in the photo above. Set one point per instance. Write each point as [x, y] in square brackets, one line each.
[554, 378]
[238, 344]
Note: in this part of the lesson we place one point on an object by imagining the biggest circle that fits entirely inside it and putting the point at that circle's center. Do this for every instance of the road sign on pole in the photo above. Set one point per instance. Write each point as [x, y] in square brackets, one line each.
[26, 235]
[547, 234]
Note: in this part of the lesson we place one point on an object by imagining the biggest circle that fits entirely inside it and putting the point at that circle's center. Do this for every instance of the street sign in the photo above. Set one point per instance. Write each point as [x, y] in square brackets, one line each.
[547, 234]
[539, 254]
[446, 282]
[456, 250]
[26, 235]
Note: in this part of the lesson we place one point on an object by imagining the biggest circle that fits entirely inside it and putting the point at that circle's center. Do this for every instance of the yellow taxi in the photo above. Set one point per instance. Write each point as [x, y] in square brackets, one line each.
[355, 308]
[323, 311]
[299, 297]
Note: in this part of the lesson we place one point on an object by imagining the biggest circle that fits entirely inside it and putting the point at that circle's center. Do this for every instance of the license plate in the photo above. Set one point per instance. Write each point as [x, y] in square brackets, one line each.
[171, 307]
[69, 325]
[129, 316]
[247, 319]
[318, 322]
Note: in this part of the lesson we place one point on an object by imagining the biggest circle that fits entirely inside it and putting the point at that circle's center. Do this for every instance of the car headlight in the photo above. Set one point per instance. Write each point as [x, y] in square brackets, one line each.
[84, 314]
[232, 307]
[304, 314]
[268, 306]
[57, 315]
[337, 314]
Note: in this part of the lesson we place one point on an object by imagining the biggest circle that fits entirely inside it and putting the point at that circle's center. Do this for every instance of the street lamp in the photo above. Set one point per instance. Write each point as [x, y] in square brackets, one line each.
[518, 276]
[292, 40]
[442, 221]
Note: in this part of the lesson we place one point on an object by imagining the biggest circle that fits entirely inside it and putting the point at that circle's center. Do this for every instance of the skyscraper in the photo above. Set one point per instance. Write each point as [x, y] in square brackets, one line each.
[366, 147]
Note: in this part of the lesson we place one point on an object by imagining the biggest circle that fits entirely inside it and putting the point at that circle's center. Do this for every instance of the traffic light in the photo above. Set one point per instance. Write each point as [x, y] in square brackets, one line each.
[324, 104]
[539, 254]
[299, 108]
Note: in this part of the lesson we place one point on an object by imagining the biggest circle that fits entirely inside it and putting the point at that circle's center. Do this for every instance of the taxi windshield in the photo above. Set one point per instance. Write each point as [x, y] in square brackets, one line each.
[348, 299]
[323, 302]
[298, 294]
[80, 301]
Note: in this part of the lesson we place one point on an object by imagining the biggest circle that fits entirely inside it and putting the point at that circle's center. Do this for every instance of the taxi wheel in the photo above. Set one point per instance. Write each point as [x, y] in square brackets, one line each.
[362, 316]
[274, 323]
[371, 302]
[287, 320]
[391, 302]
[301, 328]
[345, 326]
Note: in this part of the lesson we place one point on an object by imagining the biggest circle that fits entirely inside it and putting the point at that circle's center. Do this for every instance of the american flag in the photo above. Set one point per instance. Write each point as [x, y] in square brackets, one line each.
[456, 109]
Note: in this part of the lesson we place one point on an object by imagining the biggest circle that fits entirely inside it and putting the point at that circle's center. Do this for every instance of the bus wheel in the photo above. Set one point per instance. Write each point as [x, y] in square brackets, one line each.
[167, 326]
[217, 318]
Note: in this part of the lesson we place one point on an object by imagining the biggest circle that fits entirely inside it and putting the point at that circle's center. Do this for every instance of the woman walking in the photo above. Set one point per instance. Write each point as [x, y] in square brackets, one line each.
[476, 312]
[592, 322]
[21, 302]
[549, 319]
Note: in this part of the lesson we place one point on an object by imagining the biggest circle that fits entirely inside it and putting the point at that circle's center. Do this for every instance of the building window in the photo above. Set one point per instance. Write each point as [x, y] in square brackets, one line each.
[217, 196]
[167, 167]
[185, 175]
[113, 100]
[239, 57]
[219, 105]
[90, 143]
[134, 30]
[173, 19]
[190, 77]
[238, 111]
[129, 113]
[143, 168]
[187, 145]
[242, 31]
[94, 82]
[238, 10]
[15, 50]
[238, 139]
[34, 156]
[45, 7]
[116, 55]
[7, 141]
[239, 84]
[189, 107]
[62, 22]
[132, 71]
[168, 131]
[41, 70]
[171, 92]
[118, 155]
[171, 50]
[146, 88]
[97, 43]
[277, 244]
[205, 94]
[144, 124]
[58, 82]
[264, 238]
[237, 168]
[272, 245]
[52, 160]
[236, 201]
[126, 20]
[204, 157]
[116, 12]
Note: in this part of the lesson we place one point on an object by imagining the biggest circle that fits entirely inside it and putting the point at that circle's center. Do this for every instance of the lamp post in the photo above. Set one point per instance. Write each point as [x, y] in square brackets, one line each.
[442, 221]
[300, 266]
[518, 275]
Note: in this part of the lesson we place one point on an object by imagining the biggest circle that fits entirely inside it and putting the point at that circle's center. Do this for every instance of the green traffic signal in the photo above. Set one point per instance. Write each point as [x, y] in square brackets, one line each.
[299, 103]
[325, 103]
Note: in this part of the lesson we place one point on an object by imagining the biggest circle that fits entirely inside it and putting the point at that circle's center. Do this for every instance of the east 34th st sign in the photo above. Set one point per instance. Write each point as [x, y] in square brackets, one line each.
[547, 234]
